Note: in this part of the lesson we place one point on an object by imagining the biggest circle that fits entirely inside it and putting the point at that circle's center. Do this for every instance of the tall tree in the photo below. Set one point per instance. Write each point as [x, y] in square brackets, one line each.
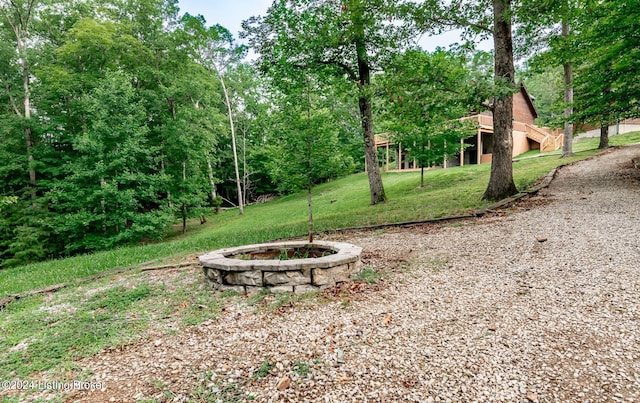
[110, 196]
[476, 20]
[567, 143]
[248, 93]
[545, 28]
[608, 43]
[349, 38]
[18, 15]
[501, 183]
[215, 48]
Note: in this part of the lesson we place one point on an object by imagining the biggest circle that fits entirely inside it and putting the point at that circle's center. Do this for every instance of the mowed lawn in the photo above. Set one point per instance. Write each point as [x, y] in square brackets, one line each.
[337, 204]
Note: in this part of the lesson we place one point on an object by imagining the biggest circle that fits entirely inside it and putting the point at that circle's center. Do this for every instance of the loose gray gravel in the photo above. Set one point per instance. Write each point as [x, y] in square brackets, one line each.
[537, 305]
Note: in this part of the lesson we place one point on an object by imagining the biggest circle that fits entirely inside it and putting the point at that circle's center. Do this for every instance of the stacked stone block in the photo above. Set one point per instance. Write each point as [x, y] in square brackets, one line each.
[225, 269]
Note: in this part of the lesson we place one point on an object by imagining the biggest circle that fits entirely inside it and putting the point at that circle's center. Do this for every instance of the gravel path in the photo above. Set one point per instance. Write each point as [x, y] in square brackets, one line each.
[538, 305]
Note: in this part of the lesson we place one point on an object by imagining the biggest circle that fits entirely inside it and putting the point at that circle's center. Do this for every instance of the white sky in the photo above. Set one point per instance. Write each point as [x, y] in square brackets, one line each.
[231, 13]
[228, 13]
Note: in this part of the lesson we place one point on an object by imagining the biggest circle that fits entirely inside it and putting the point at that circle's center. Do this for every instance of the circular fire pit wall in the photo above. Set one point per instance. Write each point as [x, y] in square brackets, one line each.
[281, 267]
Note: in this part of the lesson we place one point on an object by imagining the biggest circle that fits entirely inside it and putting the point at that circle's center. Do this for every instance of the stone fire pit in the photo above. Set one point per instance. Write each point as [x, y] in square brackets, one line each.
[281, 267]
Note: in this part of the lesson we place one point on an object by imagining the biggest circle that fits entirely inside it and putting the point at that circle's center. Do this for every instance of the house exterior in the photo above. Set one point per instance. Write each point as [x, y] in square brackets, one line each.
[477, 149]
[620, 127]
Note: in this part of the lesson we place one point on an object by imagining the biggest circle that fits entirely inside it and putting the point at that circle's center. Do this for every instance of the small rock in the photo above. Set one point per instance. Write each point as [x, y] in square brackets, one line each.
[532, 396]
[493, 328]
[284, 383]
[541, 239]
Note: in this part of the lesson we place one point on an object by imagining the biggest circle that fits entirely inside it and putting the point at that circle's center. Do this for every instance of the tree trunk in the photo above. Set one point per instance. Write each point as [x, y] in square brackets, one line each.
[212, 183]
[376, 187]
[233, 144]
[30, 162]
[567, 144]
[19, 23]
[27, 112]
[501, 183]
[422, 167]
[169, 204]
[103, 206]
[310, 204]
[183, 208]
[309, 162]
[604, 135]
[245, 176]
[183, 211]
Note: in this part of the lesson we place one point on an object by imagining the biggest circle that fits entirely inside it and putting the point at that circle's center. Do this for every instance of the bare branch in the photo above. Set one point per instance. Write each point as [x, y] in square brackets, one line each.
[12, 101]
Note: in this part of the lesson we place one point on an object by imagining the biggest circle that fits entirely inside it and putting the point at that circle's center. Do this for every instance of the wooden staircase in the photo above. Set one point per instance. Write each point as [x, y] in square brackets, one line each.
[549, 141]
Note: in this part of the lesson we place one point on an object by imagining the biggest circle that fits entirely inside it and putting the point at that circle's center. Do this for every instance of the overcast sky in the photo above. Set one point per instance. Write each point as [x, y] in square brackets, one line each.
[231, 13]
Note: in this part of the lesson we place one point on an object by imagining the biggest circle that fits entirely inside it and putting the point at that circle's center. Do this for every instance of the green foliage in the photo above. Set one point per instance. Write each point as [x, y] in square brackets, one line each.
[322, 35]
[547, 89]
[109, 196]
[427, 94]
[305, 144]
[347, 40]
[7, 200]
[216, 203]
[369, 275]
[601, 43]
[264, 369]
[126, 126]
[539, 31]
[607, 88]
[301, 368]
[24, 234]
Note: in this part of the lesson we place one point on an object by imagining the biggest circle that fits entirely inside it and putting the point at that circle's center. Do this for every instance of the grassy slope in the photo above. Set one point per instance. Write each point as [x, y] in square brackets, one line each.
[447, 192]
[49, 332]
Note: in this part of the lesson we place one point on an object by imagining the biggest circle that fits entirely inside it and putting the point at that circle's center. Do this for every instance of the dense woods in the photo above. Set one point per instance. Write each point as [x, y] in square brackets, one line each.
[120, 118]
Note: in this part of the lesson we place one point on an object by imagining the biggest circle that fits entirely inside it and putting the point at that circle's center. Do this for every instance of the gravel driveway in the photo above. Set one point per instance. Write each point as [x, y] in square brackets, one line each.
[539, 304]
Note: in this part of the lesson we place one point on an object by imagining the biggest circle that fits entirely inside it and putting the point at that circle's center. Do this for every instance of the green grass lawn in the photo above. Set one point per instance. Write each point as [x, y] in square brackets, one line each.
[48, 332]
[337, 204]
